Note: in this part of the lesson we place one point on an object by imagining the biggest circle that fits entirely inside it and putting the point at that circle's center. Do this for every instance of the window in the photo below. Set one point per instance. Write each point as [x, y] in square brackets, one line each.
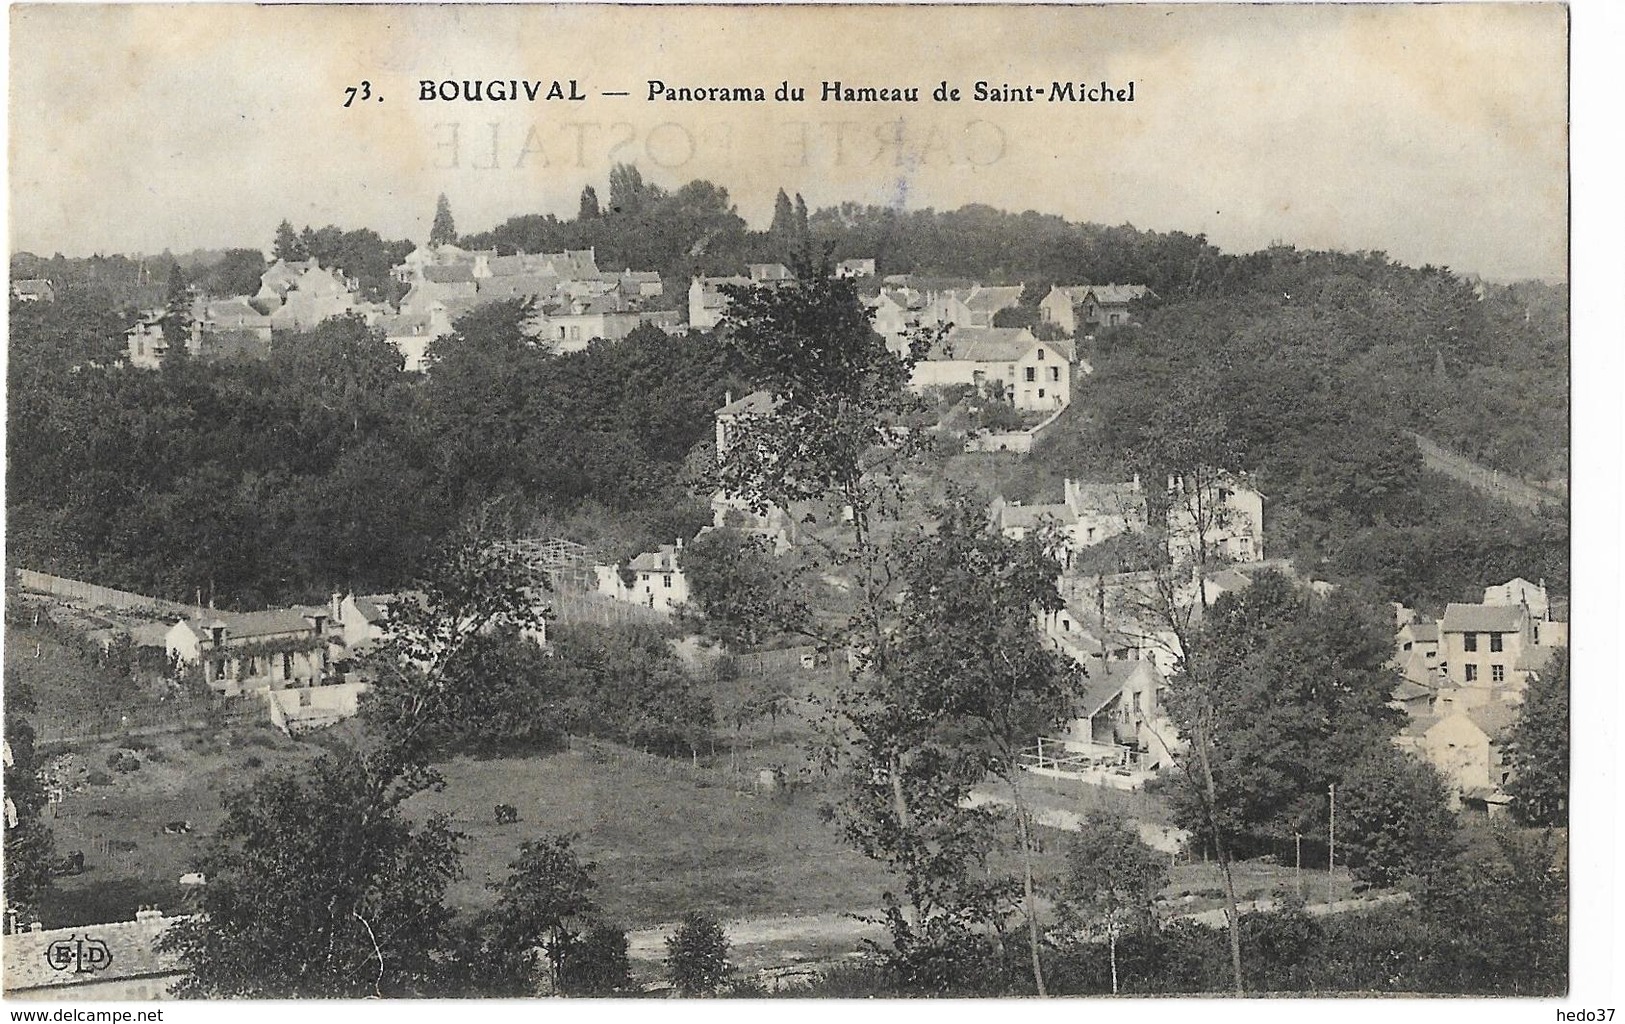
[1055, 374]
[1537, 631]
[1408, 645]
[1469, 641]
[645, 577]
[1040, 392]
[1040, 355]
[1498, 673]
[1136, 703]
[287, 664]
[1032, 374]
[1495, 643]
[665, 580]
[1472, 673]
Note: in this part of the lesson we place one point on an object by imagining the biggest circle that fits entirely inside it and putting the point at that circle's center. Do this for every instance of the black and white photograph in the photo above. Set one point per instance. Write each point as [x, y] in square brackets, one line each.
[788, 503]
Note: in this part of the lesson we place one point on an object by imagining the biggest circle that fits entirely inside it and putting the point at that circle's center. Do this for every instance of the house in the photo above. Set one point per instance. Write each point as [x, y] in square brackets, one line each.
[254, 651]
[1519, 591]
[570, 327]
[33, 289]
[1089, 514]
[656, 579]
[1415, 699]
[972, 307]
[1467, 746]
[1227, 518]
[730, 510]
[144, 343]
[1033, 375]
[706, 303]
[1481, 645]
[897, 312]
[760, 272]
[855, 268]
[1121, 722]
[1070, 307]
[115, 961]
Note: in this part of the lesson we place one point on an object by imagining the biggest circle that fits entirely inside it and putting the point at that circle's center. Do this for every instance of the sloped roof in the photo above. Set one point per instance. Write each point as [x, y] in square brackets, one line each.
[1031, 516]
[455, 273]
[756, 403]
[663, 560]
[1230, 579]
[1106, 680]
[1482, 618]
[1533, 659]
[517, 286]
[991, 300]
[1495, 718]
[1119, 294]
[251, 624]
[1424, 632]
[1406, 690]
[984, 344]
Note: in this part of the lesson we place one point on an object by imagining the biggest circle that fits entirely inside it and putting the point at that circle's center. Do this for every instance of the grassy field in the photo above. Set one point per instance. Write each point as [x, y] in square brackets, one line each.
[664, 844]
[129, 860]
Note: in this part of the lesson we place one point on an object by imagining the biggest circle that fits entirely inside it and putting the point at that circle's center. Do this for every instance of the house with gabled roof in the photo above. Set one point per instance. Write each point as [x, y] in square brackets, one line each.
[1467, 745]
[33, 289]
[1034, 375]
[975, 306]
[241, 652]
[1070, 307]
[653, 579]
[1480, 644]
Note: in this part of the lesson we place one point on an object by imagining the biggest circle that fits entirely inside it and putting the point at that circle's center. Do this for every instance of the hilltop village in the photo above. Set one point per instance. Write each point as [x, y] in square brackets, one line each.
[880, 603]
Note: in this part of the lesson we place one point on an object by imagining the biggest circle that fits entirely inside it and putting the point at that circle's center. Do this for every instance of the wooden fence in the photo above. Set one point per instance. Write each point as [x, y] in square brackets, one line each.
[95, 596]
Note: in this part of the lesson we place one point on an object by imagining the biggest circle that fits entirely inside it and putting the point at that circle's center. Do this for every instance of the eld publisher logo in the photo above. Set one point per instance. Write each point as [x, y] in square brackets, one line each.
[81, 956]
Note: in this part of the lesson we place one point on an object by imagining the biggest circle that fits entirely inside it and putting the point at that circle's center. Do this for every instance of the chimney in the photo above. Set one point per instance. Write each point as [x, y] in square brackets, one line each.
[1136, 483]
[728, 397]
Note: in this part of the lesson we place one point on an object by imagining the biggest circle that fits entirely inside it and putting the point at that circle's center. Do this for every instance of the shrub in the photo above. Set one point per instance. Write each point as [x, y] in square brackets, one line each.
[253, 761]
[98, 777]
[122, 760]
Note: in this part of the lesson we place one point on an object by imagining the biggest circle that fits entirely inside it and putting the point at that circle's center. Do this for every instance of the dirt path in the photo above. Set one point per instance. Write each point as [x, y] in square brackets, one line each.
[650, 943]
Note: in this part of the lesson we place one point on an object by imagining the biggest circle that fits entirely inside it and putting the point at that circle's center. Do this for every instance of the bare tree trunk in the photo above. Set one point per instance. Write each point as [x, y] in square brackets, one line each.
[1222, 850]
[1025, 835]
[1111, 944]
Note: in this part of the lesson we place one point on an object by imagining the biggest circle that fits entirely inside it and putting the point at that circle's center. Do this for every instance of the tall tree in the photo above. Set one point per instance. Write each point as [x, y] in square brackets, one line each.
[287, 245]
[1110, 883]
[782, 230]
[316, 889]
[1394, 819]
[802, 233]
[1539, 786]
[444, 229]
[177, 325]
[333, 890]
[741, 593]
[545, 902]
[589, 205]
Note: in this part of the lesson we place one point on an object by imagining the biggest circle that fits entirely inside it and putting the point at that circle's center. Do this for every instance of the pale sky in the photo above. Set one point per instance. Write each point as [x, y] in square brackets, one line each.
[1435, 133]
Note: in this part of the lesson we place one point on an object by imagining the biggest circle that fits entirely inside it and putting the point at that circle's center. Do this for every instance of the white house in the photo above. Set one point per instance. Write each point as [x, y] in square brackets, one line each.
[1034, 375]
[656, 579]
[1227, 517]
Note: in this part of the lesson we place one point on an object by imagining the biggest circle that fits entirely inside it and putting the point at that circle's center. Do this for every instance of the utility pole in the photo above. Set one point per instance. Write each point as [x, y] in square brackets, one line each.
[1331, 842]
[1297, 843]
